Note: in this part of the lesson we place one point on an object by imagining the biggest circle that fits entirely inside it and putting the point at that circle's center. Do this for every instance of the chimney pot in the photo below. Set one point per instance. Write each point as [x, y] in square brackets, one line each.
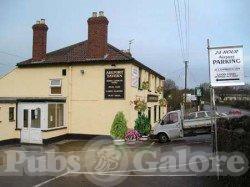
[94, 14]
[101, 13]
[42, 21]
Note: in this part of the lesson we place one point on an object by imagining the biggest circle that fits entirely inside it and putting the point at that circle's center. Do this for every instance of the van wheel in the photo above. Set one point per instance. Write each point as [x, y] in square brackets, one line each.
[163, 138]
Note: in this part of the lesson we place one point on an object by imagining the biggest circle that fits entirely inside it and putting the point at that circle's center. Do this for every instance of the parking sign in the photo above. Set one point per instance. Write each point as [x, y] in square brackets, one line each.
[226, 66]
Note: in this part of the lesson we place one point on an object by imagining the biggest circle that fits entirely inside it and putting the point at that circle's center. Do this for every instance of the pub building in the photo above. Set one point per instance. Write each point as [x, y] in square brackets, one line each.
[75, 91]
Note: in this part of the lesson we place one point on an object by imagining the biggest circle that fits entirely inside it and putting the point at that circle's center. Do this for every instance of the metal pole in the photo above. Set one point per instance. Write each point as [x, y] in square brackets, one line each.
[186, 67]
[213, 115]
[211, 97]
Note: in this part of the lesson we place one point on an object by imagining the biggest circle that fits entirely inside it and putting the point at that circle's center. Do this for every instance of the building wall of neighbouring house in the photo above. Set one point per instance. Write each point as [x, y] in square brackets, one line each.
[88, 112]
[7, 127]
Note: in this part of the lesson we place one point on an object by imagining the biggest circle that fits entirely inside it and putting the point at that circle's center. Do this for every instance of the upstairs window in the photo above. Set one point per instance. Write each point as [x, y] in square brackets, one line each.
[140, 79]
[149, 81]
[155, 84]
[11, 114]
[64, 72]
[55, 86]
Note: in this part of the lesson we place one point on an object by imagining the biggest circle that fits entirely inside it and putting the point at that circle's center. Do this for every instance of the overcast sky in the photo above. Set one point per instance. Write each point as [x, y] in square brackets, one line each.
[151, 23]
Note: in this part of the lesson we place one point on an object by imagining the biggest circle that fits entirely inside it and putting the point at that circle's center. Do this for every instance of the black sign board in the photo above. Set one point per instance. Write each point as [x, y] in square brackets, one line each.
[114, 83]
[152, 98]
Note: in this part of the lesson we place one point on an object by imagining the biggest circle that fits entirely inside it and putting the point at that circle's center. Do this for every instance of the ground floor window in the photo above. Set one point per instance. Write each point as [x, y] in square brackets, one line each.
[155, 113]
[149, 114]
[11, 113]
[55, 115]
[159, 113]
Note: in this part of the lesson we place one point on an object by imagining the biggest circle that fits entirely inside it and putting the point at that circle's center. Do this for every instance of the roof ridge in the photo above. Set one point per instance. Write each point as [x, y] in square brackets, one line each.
[67, 47]
[120, 51]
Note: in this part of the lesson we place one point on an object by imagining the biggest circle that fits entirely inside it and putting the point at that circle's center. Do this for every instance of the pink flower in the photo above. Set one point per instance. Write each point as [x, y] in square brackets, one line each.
[132, 135]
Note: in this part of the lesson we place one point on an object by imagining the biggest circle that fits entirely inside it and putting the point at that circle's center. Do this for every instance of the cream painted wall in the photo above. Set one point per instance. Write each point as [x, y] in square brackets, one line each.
[31, 82]
[87, 110]
[7, 128]
[91, 113]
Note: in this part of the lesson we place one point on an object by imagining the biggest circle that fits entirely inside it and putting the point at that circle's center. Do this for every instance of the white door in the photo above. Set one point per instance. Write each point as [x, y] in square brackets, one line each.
[31, 125]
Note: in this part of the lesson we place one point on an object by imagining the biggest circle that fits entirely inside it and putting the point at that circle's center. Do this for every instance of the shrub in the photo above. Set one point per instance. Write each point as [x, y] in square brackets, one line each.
[119, 126]
[132, 135]
[142, 125]
[235, 123]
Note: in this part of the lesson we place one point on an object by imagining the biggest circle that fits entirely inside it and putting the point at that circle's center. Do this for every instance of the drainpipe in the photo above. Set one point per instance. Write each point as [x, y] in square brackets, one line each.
[69, 97]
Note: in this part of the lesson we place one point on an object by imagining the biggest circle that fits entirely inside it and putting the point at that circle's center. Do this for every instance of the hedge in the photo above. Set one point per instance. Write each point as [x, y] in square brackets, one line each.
[234, 135]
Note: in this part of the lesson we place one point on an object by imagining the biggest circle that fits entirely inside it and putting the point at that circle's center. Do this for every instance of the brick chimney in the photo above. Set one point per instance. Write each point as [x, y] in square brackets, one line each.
[97, 35]
[39, 40]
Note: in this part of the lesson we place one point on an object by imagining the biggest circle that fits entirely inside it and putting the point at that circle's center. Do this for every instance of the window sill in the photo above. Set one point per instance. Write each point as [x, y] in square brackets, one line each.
[54, 129]
[55, 94]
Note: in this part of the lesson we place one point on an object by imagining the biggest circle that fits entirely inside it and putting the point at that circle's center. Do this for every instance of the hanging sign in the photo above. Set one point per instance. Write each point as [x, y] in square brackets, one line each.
[152, 98]
[226, 66]
[114, 83]
[135, 77]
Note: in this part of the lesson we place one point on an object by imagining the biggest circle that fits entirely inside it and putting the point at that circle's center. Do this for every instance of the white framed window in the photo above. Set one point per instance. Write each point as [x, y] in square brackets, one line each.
[55, 115]
[55, 86]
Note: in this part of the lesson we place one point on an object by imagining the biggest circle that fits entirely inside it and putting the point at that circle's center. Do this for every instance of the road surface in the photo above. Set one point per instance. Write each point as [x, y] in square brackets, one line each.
[226, 109]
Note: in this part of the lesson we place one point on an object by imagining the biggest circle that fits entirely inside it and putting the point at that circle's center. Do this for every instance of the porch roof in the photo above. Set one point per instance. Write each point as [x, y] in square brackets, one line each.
[31, 99]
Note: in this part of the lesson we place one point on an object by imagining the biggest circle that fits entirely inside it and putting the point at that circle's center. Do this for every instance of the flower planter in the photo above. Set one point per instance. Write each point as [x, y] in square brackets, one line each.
[130, 142]
[144, 138]
[118, 142]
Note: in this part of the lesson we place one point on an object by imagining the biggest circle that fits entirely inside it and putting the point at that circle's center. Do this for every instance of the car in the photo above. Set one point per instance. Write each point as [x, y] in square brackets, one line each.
[235, 113]
[204, 114]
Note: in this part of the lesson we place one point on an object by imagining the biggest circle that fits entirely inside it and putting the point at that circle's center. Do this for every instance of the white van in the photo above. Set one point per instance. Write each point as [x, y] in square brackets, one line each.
[173, 125]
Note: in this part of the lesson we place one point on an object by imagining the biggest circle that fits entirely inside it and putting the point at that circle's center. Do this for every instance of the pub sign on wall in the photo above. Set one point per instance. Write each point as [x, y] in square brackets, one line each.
[114, 83]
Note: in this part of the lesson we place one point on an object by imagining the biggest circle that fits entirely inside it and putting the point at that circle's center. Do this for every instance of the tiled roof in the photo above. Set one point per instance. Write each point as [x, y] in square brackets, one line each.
[76, 53]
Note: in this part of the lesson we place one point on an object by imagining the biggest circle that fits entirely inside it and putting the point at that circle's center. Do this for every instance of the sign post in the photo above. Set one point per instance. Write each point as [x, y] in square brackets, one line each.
[198, 93]
[225, 69]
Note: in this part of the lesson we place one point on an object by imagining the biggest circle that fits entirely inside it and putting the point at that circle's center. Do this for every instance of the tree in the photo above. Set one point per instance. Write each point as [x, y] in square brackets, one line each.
[142, 125]
[119, 126]
[173, 95]
[169, 86]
